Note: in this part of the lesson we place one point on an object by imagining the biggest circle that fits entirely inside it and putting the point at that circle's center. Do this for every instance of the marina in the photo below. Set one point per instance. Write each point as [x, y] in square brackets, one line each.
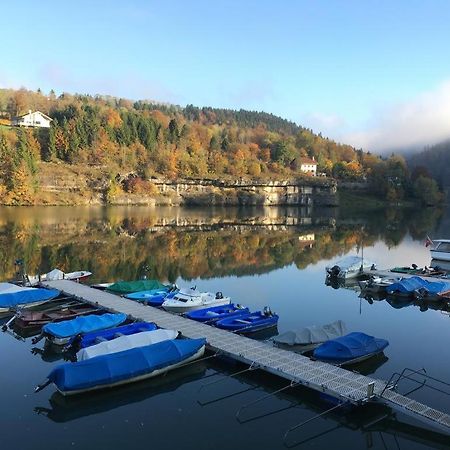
[341, 384]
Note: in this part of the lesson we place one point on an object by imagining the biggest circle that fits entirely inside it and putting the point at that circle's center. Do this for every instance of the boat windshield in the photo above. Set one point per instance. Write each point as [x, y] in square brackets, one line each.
[443, 247]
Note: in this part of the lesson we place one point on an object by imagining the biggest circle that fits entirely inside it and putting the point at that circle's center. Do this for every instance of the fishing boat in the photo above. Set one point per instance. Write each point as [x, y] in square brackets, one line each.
[126, 342]
[190, 299]
[34, 320]
[250, 322]
[377, 284]
[422, 271]
[308, 338]
[95, 337]
[349, 267]
[127, 287]
[349, 349]
[215, 313]
[57, 274]
[111, 370]
[153, 297]
[440, 249]
[60, 333]
[13, 296]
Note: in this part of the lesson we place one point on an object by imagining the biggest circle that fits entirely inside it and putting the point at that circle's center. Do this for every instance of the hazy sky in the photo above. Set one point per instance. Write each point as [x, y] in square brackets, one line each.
[370, 73]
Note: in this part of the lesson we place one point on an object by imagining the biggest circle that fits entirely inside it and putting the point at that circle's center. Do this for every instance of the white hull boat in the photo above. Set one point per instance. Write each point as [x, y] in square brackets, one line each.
[192, 299]
[440, 249]
[349, 267]
[57, 274]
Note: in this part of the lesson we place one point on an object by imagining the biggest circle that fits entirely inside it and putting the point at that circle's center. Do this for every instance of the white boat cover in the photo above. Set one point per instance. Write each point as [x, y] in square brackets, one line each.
[312, 335]
[54, 274]
[9, 288]
[352, 263]
[126, 343]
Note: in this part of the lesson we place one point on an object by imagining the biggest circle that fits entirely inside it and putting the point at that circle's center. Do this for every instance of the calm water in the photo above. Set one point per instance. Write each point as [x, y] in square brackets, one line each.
[259, 257]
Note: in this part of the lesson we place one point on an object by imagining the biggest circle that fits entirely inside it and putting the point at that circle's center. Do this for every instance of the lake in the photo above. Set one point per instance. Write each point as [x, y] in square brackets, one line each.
[259, 257]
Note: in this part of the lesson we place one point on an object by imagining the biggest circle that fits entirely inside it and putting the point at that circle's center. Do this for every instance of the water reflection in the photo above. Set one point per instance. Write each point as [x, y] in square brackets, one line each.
[164, 243]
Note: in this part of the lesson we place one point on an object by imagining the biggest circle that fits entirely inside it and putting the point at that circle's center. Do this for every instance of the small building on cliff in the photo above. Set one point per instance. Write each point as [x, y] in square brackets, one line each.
[308, 165]
[32, 119]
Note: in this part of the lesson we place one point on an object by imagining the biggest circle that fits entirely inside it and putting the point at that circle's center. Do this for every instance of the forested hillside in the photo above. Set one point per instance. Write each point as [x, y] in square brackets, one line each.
[146, 139]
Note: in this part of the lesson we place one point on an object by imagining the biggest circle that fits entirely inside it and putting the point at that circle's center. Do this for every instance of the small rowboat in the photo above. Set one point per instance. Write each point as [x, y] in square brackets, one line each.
[108, 371]
[34, 320]
[215, 313]
[249, 323]
[350, 349]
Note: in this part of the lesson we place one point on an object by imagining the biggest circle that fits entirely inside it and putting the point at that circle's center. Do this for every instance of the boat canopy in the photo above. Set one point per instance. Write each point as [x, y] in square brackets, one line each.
[93, 337]
[83, 324]
[12, 295]
[351, 346]
[126, 343]
[415, 283]
[127, 287]
[105, 370]
[312, 335]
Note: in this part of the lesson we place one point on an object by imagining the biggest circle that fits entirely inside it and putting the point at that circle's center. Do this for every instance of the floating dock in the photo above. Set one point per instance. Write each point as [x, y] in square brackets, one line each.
[348, 387]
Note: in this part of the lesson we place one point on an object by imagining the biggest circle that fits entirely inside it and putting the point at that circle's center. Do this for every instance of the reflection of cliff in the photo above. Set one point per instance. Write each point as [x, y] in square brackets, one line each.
[126, 243]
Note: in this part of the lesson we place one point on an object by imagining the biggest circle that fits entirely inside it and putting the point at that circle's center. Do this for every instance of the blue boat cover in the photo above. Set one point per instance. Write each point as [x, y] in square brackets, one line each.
[108, 369]
[92, 338]
[351, 346]
[83, 324]
[12, 295]
[152, 297]
[216, 313]
[414, 283]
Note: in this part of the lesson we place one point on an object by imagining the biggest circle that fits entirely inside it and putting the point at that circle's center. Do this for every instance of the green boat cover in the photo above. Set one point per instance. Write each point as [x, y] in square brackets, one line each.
[126, 287]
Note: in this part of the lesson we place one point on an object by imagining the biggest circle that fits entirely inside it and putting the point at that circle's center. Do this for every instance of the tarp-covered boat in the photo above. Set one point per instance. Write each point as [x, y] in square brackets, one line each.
[425, 288]
[12, 296]
[94, 337]
[124, 367]
[308, 338]
[215, 313]
[248, 323]
[155, 297]
[351, 348]
[127, 287]
[61, 332]
[349, 267]
[125, 342]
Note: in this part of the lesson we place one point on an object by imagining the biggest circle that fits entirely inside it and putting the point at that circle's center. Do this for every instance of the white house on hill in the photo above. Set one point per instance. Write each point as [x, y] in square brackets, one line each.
[308, 165]
[32, 119]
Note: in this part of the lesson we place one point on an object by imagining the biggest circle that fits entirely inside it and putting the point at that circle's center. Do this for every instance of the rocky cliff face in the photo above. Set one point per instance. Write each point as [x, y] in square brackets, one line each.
[241, 193]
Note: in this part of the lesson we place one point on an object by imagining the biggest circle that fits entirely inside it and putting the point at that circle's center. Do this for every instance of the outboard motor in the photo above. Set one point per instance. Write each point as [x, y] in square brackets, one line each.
[267, 311]
[219, 295]
[334, 271]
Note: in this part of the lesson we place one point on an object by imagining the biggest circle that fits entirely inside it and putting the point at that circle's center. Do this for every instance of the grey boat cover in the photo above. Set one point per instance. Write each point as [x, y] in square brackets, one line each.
[312, 335]
[126, 343]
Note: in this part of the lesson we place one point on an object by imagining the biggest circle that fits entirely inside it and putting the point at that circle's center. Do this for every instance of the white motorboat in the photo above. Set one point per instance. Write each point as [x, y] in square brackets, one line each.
[349, 267]
[57, 274]
[190, 299]
[440, 249]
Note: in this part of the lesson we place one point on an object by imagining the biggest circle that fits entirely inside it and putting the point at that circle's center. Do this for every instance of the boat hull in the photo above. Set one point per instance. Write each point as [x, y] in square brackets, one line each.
[181, 309]
[441, 256]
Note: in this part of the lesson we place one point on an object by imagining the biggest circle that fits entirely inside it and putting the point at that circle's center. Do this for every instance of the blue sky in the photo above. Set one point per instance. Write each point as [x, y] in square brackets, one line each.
[362, 72]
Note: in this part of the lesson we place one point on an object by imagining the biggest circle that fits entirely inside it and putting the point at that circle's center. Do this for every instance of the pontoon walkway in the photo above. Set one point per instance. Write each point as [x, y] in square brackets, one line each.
[335, 381]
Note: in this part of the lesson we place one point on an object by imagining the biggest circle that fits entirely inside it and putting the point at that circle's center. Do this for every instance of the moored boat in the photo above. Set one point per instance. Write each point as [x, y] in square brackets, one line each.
[60, 333]
[350, 349]
[190, 299]
[215, 313]
[27, 320]
[111, 370]
[13, 296]
[155, 297]
[95, 337]
[57, 274]
[249, 323]
[349, 267]
[440, 249]
[417, 287]
[126, 342]
[308, 338]
[127, 287]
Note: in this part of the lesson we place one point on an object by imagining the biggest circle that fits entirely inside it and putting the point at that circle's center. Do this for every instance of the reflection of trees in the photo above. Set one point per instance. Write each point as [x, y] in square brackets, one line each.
[116, 245]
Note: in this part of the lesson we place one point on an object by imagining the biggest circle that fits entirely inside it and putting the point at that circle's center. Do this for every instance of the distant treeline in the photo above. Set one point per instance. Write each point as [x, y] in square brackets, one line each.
[147, 139]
